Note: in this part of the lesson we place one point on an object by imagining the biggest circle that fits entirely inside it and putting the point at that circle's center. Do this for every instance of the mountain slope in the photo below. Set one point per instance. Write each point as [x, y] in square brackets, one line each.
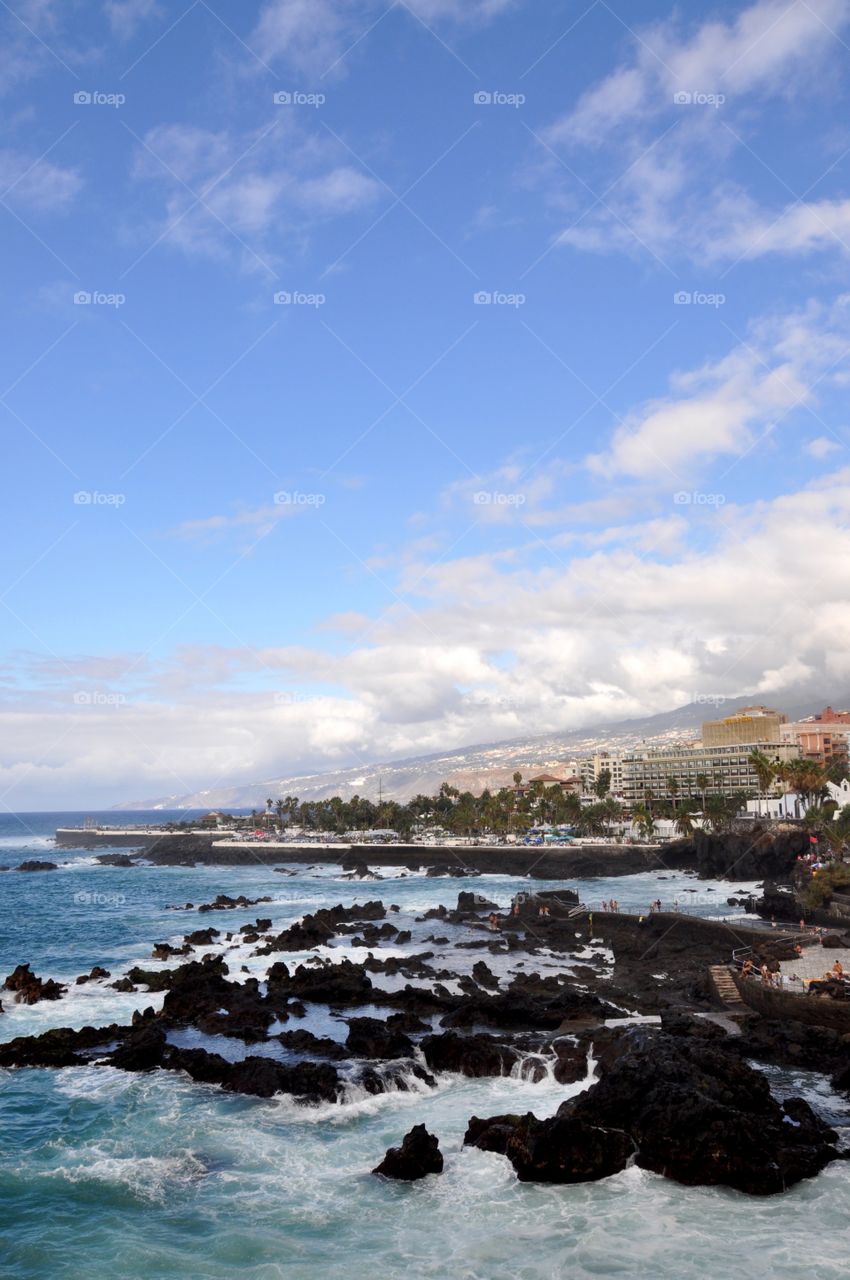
[469, 768]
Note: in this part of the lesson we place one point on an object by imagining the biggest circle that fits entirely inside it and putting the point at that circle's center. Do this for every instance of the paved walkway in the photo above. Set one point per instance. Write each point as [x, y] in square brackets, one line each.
[814, 962]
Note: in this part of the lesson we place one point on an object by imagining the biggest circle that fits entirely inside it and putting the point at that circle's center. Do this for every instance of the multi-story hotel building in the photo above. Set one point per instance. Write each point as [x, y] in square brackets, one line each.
[746, 727]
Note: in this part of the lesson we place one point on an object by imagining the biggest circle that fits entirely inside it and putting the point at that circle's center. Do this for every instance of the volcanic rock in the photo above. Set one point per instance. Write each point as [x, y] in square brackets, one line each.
[29, 989]
[418, 1155]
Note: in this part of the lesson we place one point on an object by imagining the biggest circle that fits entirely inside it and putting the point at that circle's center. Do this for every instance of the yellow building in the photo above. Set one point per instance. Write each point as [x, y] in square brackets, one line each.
[746, 727]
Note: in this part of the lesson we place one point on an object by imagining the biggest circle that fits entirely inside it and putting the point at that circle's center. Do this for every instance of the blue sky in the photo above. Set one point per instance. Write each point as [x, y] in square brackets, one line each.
[384, 378]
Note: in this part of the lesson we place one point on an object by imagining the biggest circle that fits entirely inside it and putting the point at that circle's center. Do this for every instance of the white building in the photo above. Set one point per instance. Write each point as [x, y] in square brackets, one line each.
[793, 805]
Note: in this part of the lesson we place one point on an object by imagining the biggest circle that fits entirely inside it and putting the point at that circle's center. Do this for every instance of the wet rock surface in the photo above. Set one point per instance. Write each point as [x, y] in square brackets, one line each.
[680, 1100]
[28, 989]
[680, 1107]
[418, 1155]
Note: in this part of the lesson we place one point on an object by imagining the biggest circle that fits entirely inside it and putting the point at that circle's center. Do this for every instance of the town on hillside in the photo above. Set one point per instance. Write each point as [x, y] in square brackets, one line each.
[753, 765]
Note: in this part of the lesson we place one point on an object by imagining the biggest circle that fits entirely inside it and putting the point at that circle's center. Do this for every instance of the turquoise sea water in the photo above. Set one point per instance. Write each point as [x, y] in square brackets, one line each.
[105, 1174]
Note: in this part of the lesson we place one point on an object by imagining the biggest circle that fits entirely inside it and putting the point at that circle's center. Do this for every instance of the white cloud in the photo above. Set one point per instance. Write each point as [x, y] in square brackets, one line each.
[36, 184]
[821, 447]
[316, 35]
[245, 192]
[500, 648]
[126, 16]
[725, 406]
[666, 166]
[756, 52]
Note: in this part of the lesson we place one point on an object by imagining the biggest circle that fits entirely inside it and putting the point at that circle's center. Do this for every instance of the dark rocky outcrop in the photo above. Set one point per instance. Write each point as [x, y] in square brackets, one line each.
[142, 1050]
[474, 1055]
[564, 1149]
[685, 1108]
[34, 865]
[751, 853]
[531, 1002]
[418, 1155]
[225, 903]
[115, 860]
[334, 984]
[29, 989]
[371, 1038]
[259, 1077]
[60, 1047]
[484, 976]
[302, 1041]
[202, 937]
[315, 929]
[95, 975]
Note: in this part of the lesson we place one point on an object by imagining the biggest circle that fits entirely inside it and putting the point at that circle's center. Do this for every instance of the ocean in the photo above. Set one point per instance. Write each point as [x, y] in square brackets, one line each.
[112, 1176]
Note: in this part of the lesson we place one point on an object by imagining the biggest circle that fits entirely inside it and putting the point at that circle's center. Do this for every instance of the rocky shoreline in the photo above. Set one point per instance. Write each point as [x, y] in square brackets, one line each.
[676, 1096]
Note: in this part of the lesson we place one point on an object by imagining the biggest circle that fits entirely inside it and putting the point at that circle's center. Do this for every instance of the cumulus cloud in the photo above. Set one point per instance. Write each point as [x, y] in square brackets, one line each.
[316, 35]
[493, 648]
[722, 408]
[126, 16]
[224, 190]
[755, 52]
[37, 184]
[662, 130]
[821, 447]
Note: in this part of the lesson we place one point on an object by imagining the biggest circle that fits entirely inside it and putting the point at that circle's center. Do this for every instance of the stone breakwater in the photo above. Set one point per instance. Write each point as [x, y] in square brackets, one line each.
[573, 862]
[752, 854]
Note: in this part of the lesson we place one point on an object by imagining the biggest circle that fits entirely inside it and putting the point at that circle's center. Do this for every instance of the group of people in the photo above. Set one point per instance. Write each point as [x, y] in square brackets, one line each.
[655, 905]
[769, 971]
[611, 905]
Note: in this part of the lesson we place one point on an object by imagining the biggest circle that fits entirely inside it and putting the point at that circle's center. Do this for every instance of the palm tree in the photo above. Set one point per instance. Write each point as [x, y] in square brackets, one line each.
[703, 782]
[684, 823]
[765, 771]
[673, 790]
[643, 820]
[602, 784]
